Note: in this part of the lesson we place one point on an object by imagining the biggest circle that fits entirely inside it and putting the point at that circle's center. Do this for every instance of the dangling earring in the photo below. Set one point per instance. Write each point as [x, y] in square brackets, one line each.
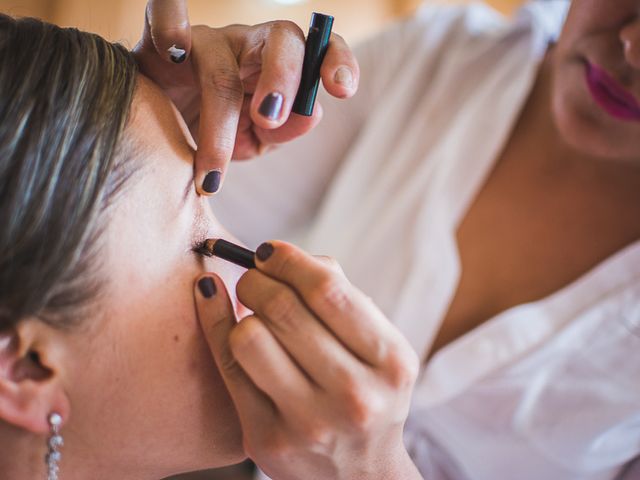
[54, 443]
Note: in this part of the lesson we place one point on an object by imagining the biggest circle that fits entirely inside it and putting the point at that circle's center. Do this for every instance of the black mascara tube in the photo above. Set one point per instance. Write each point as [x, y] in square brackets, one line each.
[315, 50]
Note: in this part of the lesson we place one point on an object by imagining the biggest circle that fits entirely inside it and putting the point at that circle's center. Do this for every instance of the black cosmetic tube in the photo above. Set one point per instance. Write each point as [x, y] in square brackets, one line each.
[315, 50]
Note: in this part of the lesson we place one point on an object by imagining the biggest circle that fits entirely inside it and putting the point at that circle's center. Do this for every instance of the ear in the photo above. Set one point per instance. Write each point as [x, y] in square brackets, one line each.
[30, 376]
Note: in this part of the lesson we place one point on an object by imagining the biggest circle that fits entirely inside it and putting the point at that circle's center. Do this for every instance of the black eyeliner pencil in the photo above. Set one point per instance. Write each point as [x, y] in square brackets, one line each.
[230, 252]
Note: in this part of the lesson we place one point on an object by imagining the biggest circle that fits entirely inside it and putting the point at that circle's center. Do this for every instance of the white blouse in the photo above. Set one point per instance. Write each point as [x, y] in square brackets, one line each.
[543, 391]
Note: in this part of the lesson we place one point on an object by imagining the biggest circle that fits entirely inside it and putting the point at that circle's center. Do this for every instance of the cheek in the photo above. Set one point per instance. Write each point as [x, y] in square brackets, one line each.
[157, 379]
[594, 16]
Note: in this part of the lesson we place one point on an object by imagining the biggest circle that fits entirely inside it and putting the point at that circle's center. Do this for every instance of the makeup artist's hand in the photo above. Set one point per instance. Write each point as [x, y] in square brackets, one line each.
[320, 378]
[235, 85]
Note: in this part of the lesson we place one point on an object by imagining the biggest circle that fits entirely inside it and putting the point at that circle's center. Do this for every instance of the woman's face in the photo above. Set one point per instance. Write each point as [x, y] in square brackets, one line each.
[145, 393]
[596, 93]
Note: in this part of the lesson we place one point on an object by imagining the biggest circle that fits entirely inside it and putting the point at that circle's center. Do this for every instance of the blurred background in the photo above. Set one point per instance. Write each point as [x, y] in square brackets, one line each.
[122, 21]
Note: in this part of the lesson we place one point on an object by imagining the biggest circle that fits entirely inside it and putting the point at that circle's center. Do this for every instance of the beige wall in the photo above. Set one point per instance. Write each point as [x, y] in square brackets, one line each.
[122, 20]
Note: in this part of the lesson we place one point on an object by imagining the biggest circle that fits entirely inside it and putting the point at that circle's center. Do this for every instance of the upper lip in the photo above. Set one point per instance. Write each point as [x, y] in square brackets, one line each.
[616, 91]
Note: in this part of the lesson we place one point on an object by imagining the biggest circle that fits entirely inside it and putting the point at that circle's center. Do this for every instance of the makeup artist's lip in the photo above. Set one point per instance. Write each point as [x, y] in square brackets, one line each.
[612, 97]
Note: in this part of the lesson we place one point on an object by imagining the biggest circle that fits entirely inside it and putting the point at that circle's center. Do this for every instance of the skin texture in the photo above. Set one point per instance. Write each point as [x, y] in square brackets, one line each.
[565, 193]
[140, 389]
[137, 387]
[226, 76]
[566, 159]
[606, 34]
[313, 343]
[156, 361]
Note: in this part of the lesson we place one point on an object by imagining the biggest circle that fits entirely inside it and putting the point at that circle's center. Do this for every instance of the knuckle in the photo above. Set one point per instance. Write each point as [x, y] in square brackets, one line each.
[224, 82]
[281, 310]
[316, 433]
[362, 409]
[332, 292]
[331, 263]
[403, 366]
[245, 335]
[286, 27]
[379, 350]
[279, 448]
[359, 404]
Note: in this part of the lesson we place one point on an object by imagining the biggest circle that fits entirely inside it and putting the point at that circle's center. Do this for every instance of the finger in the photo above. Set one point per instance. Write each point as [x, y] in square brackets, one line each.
[169, 29]
[347, 313]
[221, 103]
[295, 126]
[330, 262]
[340, 71]
[282, 57]
[217, 320]
[252, 141]
[270, 368]
[320, 355]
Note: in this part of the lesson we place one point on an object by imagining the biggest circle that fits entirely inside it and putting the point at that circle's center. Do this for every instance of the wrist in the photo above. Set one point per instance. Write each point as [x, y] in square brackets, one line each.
[400, 466]
[396, 465]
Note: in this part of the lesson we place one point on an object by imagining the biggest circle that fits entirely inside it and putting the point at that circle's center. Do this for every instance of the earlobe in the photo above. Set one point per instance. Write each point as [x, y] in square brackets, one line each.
[29, 389]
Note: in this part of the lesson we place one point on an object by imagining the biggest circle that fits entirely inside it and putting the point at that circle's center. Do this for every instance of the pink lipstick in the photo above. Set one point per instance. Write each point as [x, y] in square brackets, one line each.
[612, 97]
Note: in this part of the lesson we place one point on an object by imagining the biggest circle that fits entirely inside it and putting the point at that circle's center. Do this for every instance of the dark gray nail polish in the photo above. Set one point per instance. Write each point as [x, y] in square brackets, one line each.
[211, 182]
[271, 106]
[177, 54]
[264, 251]
[207, 287]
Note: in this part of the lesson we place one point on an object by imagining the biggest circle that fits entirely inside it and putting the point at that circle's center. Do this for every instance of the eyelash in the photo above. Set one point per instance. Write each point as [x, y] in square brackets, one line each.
[199, 248]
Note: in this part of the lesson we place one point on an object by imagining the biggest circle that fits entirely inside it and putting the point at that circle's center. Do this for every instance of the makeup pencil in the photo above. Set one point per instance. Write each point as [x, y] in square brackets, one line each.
[230, 252]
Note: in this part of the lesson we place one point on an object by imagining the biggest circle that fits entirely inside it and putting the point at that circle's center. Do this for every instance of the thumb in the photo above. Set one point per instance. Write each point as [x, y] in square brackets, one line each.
[167, 28]
[217, 319]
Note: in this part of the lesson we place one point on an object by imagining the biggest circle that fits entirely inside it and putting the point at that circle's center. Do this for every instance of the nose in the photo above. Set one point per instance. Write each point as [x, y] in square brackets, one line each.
[630, 38]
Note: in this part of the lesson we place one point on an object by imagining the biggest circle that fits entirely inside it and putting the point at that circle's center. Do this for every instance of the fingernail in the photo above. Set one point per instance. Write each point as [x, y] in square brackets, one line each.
[271, 106]
[207, 287]
[344, 77]
[177, 54]
[211, 182]
[264, 251]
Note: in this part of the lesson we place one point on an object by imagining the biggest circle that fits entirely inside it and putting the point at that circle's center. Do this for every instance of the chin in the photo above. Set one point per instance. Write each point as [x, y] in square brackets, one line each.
[588, 136]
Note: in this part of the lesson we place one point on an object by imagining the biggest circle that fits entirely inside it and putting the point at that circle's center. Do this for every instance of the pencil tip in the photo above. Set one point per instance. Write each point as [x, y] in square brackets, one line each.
[209, 243]
[206, 247]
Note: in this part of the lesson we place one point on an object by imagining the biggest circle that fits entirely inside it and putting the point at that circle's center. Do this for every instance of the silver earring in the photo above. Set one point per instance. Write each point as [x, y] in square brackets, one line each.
[54, 443]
